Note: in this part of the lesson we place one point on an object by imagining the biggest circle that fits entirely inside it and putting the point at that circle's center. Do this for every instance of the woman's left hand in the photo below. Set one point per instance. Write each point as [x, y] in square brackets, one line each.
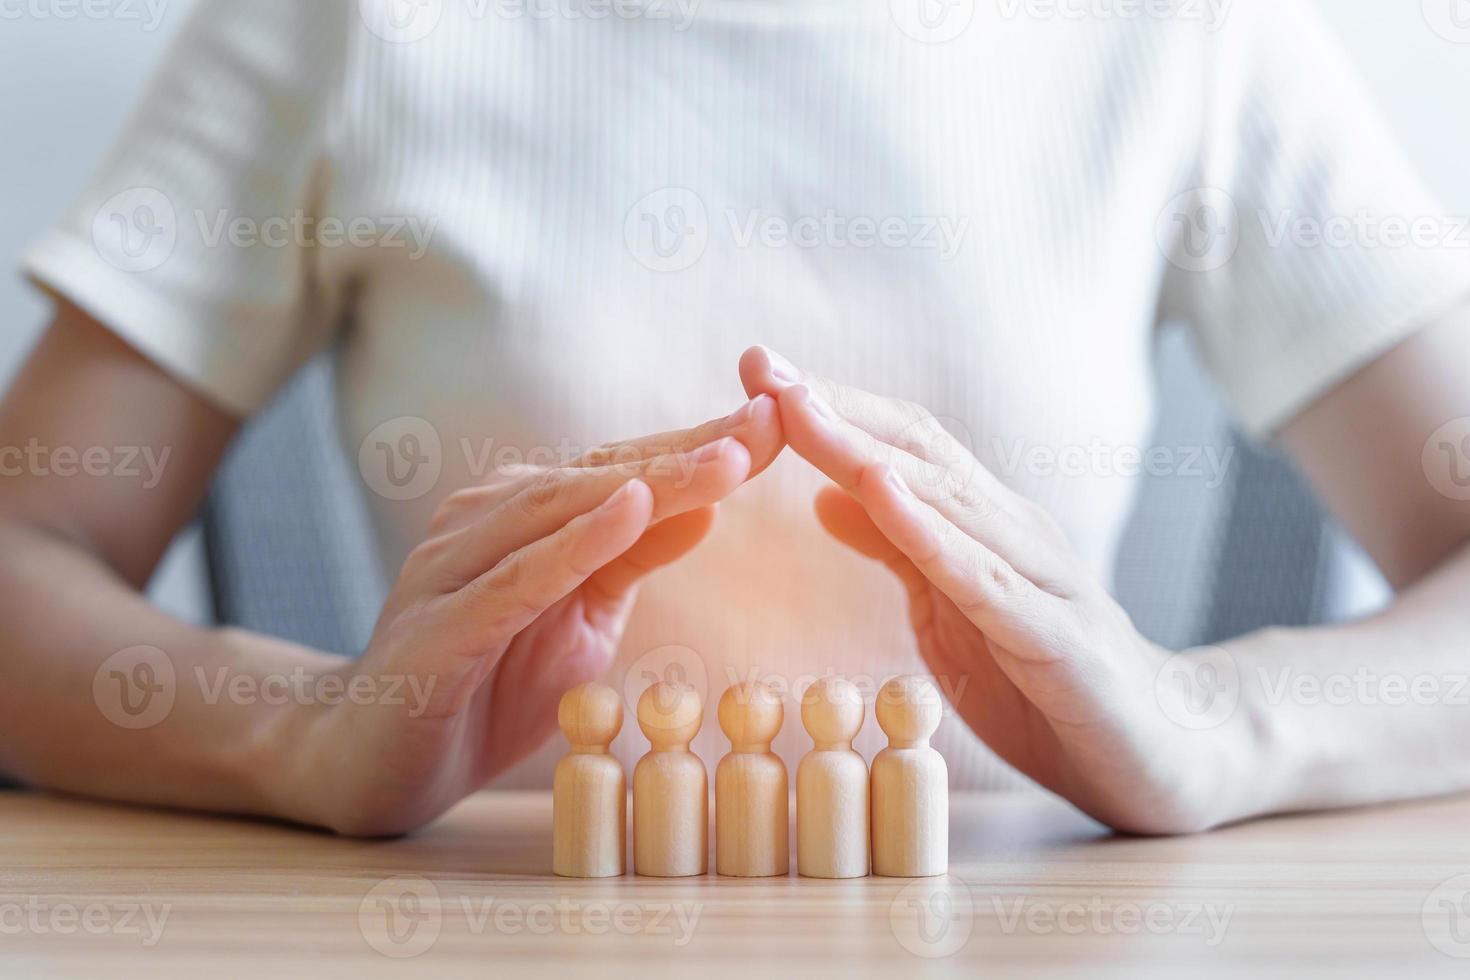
[1040, 661]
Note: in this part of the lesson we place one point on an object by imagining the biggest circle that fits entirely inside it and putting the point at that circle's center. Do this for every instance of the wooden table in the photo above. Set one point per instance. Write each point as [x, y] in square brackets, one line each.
[88, 890]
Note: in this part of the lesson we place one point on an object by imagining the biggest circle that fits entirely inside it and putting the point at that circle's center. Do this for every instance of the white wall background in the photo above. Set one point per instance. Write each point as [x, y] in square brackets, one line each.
[71, 69]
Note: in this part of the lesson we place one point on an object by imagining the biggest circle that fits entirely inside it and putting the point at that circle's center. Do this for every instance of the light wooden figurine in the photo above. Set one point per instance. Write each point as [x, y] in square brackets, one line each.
[589, 798]
[832, 784]
[670, 786]
[910, 785]
[750, 787]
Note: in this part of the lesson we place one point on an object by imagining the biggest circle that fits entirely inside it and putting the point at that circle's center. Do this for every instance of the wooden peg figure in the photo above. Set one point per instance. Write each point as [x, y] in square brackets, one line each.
[750, 787]
[670, 786]
[589, 798]
[832, 784]
[910, 786]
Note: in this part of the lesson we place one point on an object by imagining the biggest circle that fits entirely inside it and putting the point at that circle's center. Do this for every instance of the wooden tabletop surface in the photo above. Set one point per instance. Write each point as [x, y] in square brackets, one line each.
[90, 890]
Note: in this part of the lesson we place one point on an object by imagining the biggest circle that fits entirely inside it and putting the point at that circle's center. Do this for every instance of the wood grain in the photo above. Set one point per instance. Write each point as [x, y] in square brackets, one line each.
[1034, 889]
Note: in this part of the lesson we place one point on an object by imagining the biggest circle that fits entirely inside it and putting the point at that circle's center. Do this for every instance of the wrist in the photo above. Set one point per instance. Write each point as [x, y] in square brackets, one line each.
[274, 762]
[1262, 765]
[1206, 762]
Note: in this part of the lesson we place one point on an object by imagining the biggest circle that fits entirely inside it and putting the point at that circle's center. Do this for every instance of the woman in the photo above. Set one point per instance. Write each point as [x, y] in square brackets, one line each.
[530, 229]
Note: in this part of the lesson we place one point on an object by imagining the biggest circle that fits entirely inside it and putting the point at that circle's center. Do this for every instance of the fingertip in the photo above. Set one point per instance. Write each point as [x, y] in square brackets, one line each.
[763, 408]
[762, 434]
[753, 374]
[731, 456]
[641, 494]
[764, 370]
[633, 497]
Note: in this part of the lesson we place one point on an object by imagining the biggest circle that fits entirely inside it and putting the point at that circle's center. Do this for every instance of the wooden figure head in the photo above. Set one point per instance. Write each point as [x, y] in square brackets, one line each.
[751, 715]
[590, 715]
[670, 714]
[832, 711]
[909, 709]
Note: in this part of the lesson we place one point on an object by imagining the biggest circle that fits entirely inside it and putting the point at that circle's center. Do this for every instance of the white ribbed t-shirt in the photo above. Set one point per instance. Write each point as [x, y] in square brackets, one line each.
[538, 225]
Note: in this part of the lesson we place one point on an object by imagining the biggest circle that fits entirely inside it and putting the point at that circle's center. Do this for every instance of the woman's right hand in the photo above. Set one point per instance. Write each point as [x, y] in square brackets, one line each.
[520, 592]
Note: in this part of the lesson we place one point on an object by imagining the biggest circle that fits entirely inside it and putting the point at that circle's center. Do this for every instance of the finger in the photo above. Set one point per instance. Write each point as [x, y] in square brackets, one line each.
[491, 609]
[843, 452]
[678, 484]
[900, 424]
[756, 424]
[845, 519]
[986, 588]
[528, 682]
[662, 544]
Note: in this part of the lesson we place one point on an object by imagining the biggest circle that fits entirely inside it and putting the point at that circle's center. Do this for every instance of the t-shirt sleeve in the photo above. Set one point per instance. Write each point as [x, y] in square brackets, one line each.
[193, 240]
[1306, 245]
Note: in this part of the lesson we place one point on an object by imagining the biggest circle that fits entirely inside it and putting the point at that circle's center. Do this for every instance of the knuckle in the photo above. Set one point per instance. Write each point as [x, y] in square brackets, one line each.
[599, 456]
[542, 493]
[450, 509]
[919, 417]
[429, 552]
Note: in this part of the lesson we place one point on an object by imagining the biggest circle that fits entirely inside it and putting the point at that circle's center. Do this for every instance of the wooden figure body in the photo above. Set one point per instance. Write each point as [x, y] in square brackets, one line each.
[589, 797]
[832, 784]
[751, 814]
[910, 786]
[670, 786]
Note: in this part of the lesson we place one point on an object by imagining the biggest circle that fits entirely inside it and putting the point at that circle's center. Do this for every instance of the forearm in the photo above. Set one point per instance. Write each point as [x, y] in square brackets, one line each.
[1365, 712]
[72, 724]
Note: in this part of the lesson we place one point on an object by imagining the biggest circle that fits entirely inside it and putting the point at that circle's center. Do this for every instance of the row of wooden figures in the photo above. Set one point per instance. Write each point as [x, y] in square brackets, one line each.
[897, 816]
